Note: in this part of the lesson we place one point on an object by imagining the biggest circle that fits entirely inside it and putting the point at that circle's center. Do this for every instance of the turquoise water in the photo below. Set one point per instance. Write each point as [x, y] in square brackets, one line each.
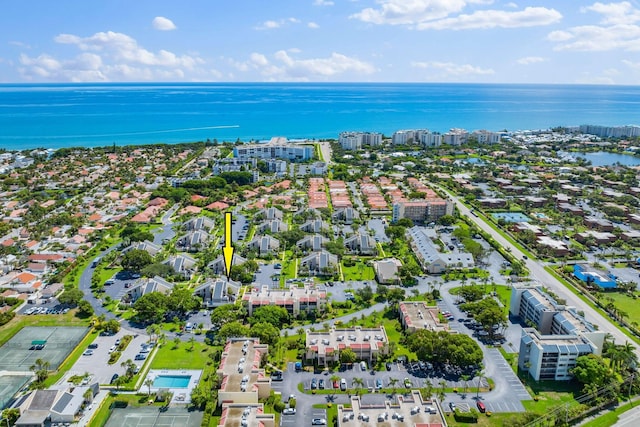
[511, 216]
[172, 381]
[61, 115]
[602, 158]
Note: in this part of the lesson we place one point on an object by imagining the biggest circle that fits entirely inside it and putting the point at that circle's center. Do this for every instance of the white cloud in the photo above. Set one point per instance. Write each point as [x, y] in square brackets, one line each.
[633, 65]
[19, 44]
[450, 69]
[618, 30]
[615, 13]
[485, 19]
[110, 56]
[161, 23]
[596, 38]
[409, 12]
[271, 25]
[313, 25]
[323, 3]
[528, 60]
[445, 15]
[511, 5]
[284, 67]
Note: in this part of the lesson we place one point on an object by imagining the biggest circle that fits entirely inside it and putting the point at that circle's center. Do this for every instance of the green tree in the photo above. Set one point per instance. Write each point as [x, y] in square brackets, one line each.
[226, 313]
[11, 415]
[233, 330]
[266, 332]
[151, 307]
[84, 308]
[41, 369]
[471, 293]
[273, 314]
[592, 369]
[71, 297]
[348, 356]
[111, 326]
[136, 260]
[157, 269]
[181, 300]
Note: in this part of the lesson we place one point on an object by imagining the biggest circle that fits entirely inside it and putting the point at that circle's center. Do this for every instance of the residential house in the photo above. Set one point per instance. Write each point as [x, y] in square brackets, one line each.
[215, 292]
[361, 244]
[387, 270]
[201, 223]
[264, 245]
[599, 224]
[148, 246]
[193, 241]
[314, 226]
[145, 286]
[218, 265]
[273, 226]
[271, 213]
[320, 263]
[313, 242]
[345, 215]
[181, 264]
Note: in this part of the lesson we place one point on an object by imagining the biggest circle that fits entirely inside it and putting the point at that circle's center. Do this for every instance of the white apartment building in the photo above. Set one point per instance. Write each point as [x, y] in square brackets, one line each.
[323, 347]
[559, 335]
[294, 299]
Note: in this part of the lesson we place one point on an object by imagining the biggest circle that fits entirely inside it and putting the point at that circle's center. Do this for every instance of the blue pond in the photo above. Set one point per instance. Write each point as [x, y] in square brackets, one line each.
[511, 216]
[172, 381]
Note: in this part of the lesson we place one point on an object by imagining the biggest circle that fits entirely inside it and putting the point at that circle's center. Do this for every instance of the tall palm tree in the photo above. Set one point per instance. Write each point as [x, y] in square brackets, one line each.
[393, 382]
[466, 379]
[441, 393]
[358, 383]
[148, 382]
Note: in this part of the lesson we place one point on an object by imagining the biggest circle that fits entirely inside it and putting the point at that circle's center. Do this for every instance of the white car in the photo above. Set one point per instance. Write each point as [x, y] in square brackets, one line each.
[289, 411]
[112, 349]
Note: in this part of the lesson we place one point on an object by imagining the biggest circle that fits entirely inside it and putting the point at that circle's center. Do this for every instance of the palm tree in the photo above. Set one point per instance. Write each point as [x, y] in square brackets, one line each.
[358, 383]
[192, 343]
[41, 369]
[466, 379]
[393, 382]
[148, 382]
[441, 393]
[480, 375]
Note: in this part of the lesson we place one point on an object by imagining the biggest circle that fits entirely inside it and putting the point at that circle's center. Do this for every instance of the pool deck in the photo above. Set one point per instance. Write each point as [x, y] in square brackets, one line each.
[180, 395]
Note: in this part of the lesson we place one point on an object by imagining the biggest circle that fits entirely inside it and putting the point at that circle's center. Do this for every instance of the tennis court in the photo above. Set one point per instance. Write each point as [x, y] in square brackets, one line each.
[49, 343]
[9, 386]
[153, 416]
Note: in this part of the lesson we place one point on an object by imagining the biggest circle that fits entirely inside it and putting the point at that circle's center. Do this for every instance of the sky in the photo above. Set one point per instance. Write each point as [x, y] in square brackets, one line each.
[484, 41]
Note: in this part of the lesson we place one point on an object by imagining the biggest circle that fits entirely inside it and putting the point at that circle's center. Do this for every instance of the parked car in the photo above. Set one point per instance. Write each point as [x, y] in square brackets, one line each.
[140, 356]
[343, 384]
[388, 366]
[112, 349]
[481, 407]
[407, 383]
[378, 384]
[314, 384]
[87, 353]
[321, 384]
[114, 378]
[93, 345]
[289, 411]
[318, 422]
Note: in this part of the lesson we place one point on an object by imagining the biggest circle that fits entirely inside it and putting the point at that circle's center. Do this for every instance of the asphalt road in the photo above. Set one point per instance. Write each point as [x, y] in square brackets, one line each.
[540, 275]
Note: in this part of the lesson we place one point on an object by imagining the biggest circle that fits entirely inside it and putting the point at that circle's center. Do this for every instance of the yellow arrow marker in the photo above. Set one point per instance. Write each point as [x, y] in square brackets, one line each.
[227, 251]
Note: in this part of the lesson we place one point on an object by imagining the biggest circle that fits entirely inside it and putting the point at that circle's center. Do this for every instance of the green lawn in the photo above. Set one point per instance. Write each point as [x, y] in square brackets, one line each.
[168, 357]
[627, 304]
[504, 292]
[360, 271]
[611, 417]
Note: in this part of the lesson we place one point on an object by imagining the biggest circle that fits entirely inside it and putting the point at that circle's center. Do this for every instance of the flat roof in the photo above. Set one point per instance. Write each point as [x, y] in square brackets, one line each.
[419, 315]
[358, 339]
[240, 365]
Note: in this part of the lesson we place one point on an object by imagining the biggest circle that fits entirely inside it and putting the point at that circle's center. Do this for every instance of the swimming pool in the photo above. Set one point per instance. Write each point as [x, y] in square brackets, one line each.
[172, 381]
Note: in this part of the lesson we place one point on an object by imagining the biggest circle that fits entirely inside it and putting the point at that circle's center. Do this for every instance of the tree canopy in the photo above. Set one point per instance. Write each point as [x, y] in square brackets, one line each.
[442, 347]
[136, 260]
[273, 314]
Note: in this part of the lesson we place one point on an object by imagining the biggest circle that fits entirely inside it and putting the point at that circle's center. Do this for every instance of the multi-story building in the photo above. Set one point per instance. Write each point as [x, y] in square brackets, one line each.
[611, 131]
[242, 378]
[323, 347]
[486, 137]
[431, 259]
[296, 300]
[241, 414]
[423, 210]
[415, 315]
[277, 148]
[408, 410]
[558, 336]
[455, 137]
[403, 137]
[350, 140]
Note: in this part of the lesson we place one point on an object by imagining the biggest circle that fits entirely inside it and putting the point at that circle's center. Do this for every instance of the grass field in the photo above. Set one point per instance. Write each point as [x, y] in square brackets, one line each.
[626, 304]
[360, 271]
[168, 357]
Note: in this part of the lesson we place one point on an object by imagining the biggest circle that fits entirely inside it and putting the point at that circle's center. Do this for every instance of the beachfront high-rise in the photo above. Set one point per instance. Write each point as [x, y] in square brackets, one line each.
[355, 140]
[276, 148]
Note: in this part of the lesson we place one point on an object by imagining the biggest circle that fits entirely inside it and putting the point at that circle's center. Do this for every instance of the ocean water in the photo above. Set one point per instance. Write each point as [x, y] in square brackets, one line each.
[62, 115]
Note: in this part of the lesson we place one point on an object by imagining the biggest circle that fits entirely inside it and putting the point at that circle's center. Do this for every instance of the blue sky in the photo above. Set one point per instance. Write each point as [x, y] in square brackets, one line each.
[492, 41]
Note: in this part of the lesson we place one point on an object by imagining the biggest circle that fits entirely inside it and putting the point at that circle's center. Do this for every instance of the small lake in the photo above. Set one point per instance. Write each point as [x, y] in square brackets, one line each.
[602, 158]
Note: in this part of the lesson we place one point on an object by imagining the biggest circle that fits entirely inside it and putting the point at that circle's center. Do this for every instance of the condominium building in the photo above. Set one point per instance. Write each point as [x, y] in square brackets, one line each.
[242, 378]
[296, 300]
[455, 137]
[241, 414]
[323, 347]
[355, 140]
[431, 259]
[415, 315]
[277, 148]
[611, 131]
[409, 409]
[557, 337]
[423, 210]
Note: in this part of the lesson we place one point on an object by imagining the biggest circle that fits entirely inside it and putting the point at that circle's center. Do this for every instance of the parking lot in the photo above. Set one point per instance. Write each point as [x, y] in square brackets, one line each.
[97, 364]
